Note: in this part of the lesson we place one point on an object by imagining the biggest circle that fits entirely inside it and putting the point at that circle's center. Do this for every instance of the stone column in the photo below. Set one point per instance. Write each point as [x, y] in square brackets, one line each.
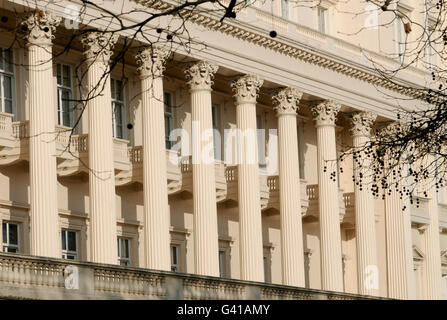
[206, 247]
[365, 224]
[246, 90]
[431, 242]
[399, 256]
[98, 49]
[44, 216]
[155, 190]
[324, 114]
[292, 253]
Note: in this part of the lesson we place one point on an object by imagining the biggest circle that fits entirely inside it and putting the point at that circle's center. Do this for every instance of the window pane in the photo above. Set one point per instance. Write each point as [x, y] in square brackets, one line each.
[118, 246]
[285, 9]
[5, 236]
[12, 250]
[64, 244]
[66, 76]
[174, 255]
[65, 100]
[119, 90]
[167, 131]
[65, 108]
[221, 263]
[13, 234]
[72, 241]
[321, 20]
[126, 248]
[7, 87]
[167, 102]
[118, 110]
[59, 74]
[112, 86]
[9, 60]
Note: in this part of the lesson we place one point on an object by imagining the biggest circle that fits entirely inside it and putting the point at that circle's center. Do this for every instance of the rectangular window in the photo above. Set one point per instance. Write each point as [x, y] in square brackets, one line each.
[118, 108]
[216, 135]
[222, 264]
[69, 244]
[285, 9]
[10, 237]
[64, 95]
[175, 266]
[400, 40]
[169, 118]
[322, 19]
[123, 251]
[6, 81]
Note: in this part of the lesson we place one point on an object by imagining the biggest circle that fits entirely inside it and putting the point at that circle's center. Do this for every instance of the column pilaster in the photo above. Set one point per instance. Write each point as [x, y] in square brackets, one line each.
[399, 256]
[431, 242]
[103, 240]
[155, 190]
[286, 102]
[246, 90]
[200, 77]
[325, 114]
[44, 218]
[365, 225]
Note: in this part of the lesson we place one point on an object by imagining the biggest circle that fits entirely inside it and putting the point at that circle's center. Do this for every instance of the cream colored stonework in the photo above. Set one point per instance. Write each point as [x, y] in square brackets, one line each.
[298, 219]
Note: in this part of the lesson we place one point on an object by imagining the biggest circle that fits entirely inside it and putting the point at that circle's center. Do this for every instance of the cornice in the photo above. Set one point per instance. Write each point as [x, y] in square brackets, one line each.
[262, 38]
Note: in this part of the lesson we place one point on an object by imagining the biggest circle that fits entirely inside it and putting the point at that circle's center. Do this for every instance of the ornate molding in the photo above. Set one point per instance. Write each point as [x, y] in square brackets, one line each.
[286, 101]
[246, 88]
[301, 53]
[98, 46]
[151, 61]
[325, 112]
[362, 123]
[200, 75]
[39, 28]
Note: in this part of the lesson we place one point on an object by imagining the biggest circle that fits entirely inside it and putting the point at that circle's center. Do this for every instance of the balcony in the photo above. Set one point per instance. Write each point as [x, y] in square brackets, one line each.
[219, 172]
[6, 137]
[29, 277]
[346, 204]
[135, 172]
[71, 150]
[269, 190]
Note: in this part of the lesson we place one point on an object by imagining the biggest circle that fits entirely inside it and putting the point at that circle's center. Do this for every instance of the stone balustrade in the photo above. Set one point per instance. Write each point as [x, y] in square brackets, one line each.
[32, 277]
[6, 138]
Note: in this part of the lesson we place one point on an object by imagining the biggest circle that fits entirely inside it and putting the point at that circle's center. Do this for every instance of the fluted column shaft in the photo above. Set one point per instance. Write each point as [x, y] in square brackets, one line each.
[398, 246]
[155, 189]
[399, 257]
[250, 220]
[292, 253]
[206, 247]
[103, 238]
[431, 241]
[328, 198]
[365, 225]
[44, 218]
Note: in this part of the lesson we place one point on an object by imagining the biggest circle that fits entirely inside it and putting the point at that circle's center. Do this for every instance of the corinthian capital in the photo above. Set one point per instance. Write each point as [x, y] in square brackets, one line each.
[98, 46]
[286, 100]
[246, 88]
[39, 27]
[362, 123]
[200, 75]
[151, 62]
[325, 112]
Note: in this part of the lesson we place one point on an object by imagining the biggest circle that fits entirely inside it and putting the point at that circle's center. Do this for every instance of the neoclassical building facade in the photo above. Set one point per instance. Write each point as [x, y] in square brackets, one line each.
[124, 181]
